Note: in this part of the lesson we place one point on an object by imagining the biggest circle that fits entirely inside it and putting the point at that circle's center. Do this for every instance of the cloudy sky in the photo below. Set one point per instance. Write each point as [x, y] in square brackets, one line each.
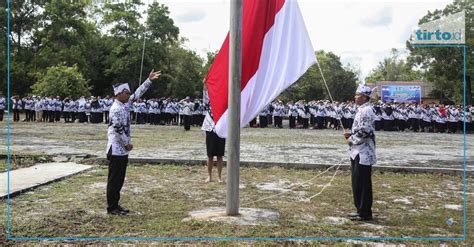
[362, 33]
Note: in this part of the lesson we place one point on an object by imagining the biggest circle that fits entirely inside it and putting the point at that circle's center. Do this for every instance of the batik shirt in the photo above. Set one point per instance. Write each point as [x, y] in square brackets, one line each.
[362, 139]
[119, 126]
[186, 107]
[279, 110]
[2, 103]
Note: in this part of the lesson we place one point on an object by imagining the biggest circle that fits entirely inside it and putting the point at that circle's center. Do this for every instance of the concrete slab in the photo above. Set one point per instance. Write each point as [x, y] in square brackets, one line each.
[246, 217]
[37, 175]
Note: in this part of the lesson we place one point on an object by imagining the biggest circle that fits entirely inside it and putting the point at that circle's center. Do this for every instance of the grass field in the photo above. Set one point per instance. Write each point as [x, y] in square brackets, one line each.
[161, 196]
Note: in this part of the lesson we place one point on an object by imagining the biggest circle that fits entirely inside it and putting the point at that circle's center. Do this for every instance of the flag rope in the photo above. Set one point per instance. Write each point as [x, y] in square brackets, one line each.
[337, 165]
[295, 185]
[329, 92]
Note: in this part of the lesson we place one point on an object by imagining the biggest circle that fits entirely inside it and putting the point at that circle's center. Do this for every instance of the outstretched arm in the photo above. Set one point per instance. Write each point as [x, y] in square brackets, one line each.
[145, 85]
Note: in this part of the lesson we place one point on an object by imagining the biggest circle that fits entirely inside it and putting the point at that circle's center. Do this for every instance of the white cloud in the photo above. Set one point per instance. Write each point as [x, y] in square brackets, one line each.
[191, 15]
[382, 17]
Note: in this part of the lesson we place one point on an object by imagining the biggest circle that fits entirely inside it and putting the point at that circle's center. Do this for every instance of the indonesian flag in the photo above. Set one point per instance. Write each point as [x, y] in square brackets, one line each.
[276, 51]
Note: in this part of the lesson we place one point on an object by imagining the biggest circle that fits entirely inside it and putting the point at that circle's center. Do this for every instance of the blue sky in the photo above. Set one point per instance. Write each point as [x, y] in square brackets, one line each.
[362, 33]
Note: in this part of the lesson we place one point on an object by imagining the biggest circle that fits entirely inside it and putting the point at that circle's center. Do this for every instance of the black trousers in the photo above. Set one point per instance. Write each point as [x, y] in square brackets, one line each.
[1, 114]
[187, 122]
[51, 116]
[414, 124]
[402, 125]
[292, 122]
[362, 187]
[440, 127]
[320, 122]
[279, 121]
[106, 113]
[425, 124]
[263, 121]
[388, 125]
[115, 179]
[16, 115]
[33, 115]
[452, 126]
[45, 116]
[82, 117]
[27, 115]
[67, 116]
[57, 116]
[305, 123]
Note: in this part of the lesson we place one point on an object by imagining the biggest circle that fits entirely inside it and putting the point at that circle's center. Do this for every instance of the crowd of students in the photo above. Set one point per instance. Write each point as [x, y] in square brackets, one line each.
[316, 114]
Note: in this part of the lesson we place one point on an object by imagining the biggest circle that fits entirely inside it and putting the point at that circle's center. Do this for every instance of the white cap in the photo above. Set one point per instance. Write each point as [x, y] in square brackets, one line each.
[365, 90]
[120, 88]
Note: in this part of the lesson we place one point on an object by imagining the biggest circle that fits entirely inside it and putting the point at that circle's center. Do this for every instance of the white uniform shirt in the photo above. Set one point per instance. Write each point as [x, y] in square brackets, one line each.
[362, 139]
[2, 103]
[186, 108]
[16, 104]
[278, 110]
[39, 105]
[292, 110]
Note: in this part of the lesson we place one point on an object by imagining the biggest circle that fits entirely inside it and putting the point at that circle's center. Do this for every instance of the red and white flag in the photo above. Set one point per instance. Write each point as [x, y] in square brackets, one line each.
[276, 51]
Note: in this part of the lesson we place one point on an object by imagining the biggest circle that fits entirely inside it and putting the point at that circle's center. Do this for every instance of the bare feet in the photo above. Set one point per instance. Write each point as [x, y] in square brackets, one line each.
[220, 181]
[208, 180]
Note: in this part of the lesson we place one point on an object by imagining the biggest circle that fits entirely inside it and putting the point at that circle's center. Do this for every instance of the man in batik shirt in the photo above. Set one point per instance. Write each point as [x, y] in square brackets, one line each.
[361, 142]
[119, 140]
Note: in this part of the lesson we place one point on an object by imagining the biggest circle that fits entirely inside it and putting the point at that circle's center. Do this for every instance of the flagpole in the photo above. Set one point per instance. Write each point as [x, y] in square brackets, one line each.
[233, 140]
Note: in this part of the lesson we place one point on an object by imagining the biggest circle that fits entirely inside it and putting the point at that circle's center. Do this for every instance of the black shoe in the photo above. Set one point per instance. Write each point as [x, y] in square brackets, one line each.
[359, 218]
[116, 212]
[355, 214]
[123, 209]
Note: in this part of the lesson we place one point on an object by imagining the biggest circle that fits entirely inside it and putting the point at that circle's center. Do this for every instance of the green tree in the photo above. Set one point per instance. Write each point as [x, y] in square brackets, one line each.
[444, 65]
[67, 37]
[184, 74]
[210, 56]
[61, 81]
[160, 26]
[341, 81]
[393, 68]
[23, 22]
[124, 42]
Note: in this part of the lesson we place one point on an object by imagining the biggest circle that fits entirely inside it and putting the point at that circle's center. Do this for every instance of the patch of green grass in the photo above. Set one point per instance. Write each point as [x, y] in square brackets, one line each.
[160, 197]
[21, 161]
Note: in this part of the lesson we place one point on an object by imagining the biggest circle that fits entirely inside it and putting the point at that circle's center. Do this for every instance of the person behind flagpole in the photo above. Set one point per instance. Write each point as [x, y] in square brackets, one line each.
[119, 140]
[215, 145]
[278, 112]
[361, 142]
[187, 108]
[107, 104]
[17, 107]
